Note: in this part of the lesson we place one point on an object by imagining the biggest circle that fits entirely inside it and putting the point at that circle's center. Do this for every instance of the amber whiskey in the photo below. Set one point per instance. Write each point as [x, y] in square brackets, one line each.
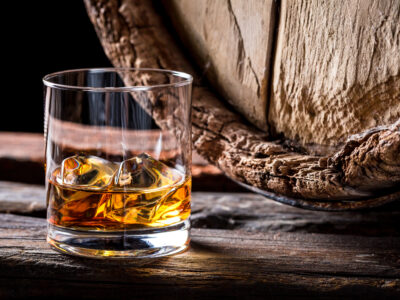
[91, 193]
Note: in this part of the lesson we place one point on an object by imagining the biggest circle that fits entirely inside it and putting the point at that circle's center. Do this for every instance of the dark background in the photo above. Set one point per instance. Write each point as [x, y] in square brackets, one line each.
[41, 37]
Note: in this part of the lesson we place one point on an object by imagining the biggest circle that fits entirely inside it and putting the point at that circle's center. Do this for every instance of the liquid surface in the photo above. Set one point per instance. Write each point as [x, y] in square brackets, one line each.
[90, 193]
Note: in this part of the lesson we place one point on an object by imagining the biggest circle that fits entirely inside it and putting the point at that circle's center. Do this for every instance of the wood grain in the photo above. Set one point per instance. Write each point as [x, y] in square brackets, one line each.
[231, 42]
[238, 211]
[133, 34]
[243, 245]
[221, 262]
[19, 198]
[336, 70]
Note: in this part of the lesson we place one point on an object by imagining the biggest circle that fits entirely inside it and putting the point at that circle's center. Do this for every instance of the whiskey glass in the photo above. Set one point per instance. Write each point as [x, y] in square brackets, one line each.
[118, 158]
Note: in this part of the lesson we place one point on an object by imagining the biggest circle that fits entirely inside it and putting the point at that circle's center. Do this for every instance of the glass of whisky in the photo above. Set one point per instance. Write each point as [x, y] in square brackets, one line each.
[118, 158]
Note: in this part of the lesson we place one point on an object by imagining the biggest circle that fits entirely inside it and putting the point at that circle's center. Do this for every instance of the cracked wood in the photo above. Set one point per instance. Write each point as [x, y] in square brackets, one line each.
[240, 242]
[222, 262]
[231, 41]
[336, 70]
[225, 139]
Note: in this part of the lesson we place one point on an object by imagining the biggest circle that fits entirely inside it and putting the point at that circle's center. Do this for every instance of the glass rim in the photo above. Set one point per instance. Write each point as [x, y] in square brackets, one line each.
[187, 79]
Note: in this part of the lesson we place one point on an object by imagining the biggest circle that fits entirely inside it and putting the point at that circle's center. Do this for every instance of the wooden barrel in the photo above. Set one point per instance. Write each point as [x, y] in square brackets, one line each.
[298, 100]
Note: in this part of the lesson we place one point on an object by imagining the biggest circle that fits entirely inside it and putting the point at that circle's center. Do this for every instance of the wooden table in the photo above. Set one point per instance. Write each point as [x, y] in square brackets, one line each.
[243, 245]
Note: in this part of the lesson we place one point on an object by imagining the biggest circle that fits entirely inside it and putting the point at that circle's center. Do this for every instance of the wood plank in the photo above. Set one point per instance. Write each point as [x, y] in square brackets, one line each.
[222, 262]
[245, 30]
[255, 213]
[22, 160]
[133, 34]
[22, 157]
[25, 199]
[239, 211]
[336, 70]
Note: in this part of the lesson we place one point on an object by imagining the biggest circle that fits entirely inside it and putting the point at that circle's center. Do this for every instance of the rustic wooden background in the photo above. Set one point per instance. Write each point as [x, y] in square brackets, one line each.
[22, 160]
[243, 245]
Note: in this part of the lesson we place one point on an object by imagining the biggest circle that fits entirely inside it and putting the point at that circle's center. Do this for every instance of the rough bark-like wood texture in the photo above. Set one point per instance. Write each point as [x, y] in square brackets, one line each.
[232, 43]
[22, 160]
[133, 34]
[243, 245]
[337, 70]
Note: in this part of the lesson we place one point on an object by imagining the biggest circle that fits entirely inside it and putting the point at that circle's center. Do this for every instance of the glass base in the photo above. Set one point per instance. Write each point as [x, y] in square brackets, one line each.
[148, 243]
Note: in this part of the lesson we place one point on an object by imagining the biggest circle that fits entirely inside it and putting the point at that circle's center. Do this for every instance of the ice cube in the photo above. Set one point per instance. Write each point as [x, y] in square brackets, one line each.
[87, 171]
[143, 171]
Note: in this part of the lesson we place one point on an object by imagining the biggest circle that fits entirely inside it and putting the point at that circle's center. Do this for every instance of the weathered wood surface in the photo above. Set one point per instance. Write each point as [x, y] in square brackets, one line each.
[133, 35]
[20, 198]
[22, 160]
[220, 263]
[336, 67]
[252, 212]
[336, 70]
[243, 211]
[22, 157]
[243, 245]
[232, 44]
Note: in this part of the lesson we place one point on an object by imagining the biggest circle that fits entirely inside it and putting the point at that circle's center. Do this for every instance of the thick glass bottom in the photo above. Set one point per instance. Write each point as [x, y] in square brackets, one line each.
[148, 243]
